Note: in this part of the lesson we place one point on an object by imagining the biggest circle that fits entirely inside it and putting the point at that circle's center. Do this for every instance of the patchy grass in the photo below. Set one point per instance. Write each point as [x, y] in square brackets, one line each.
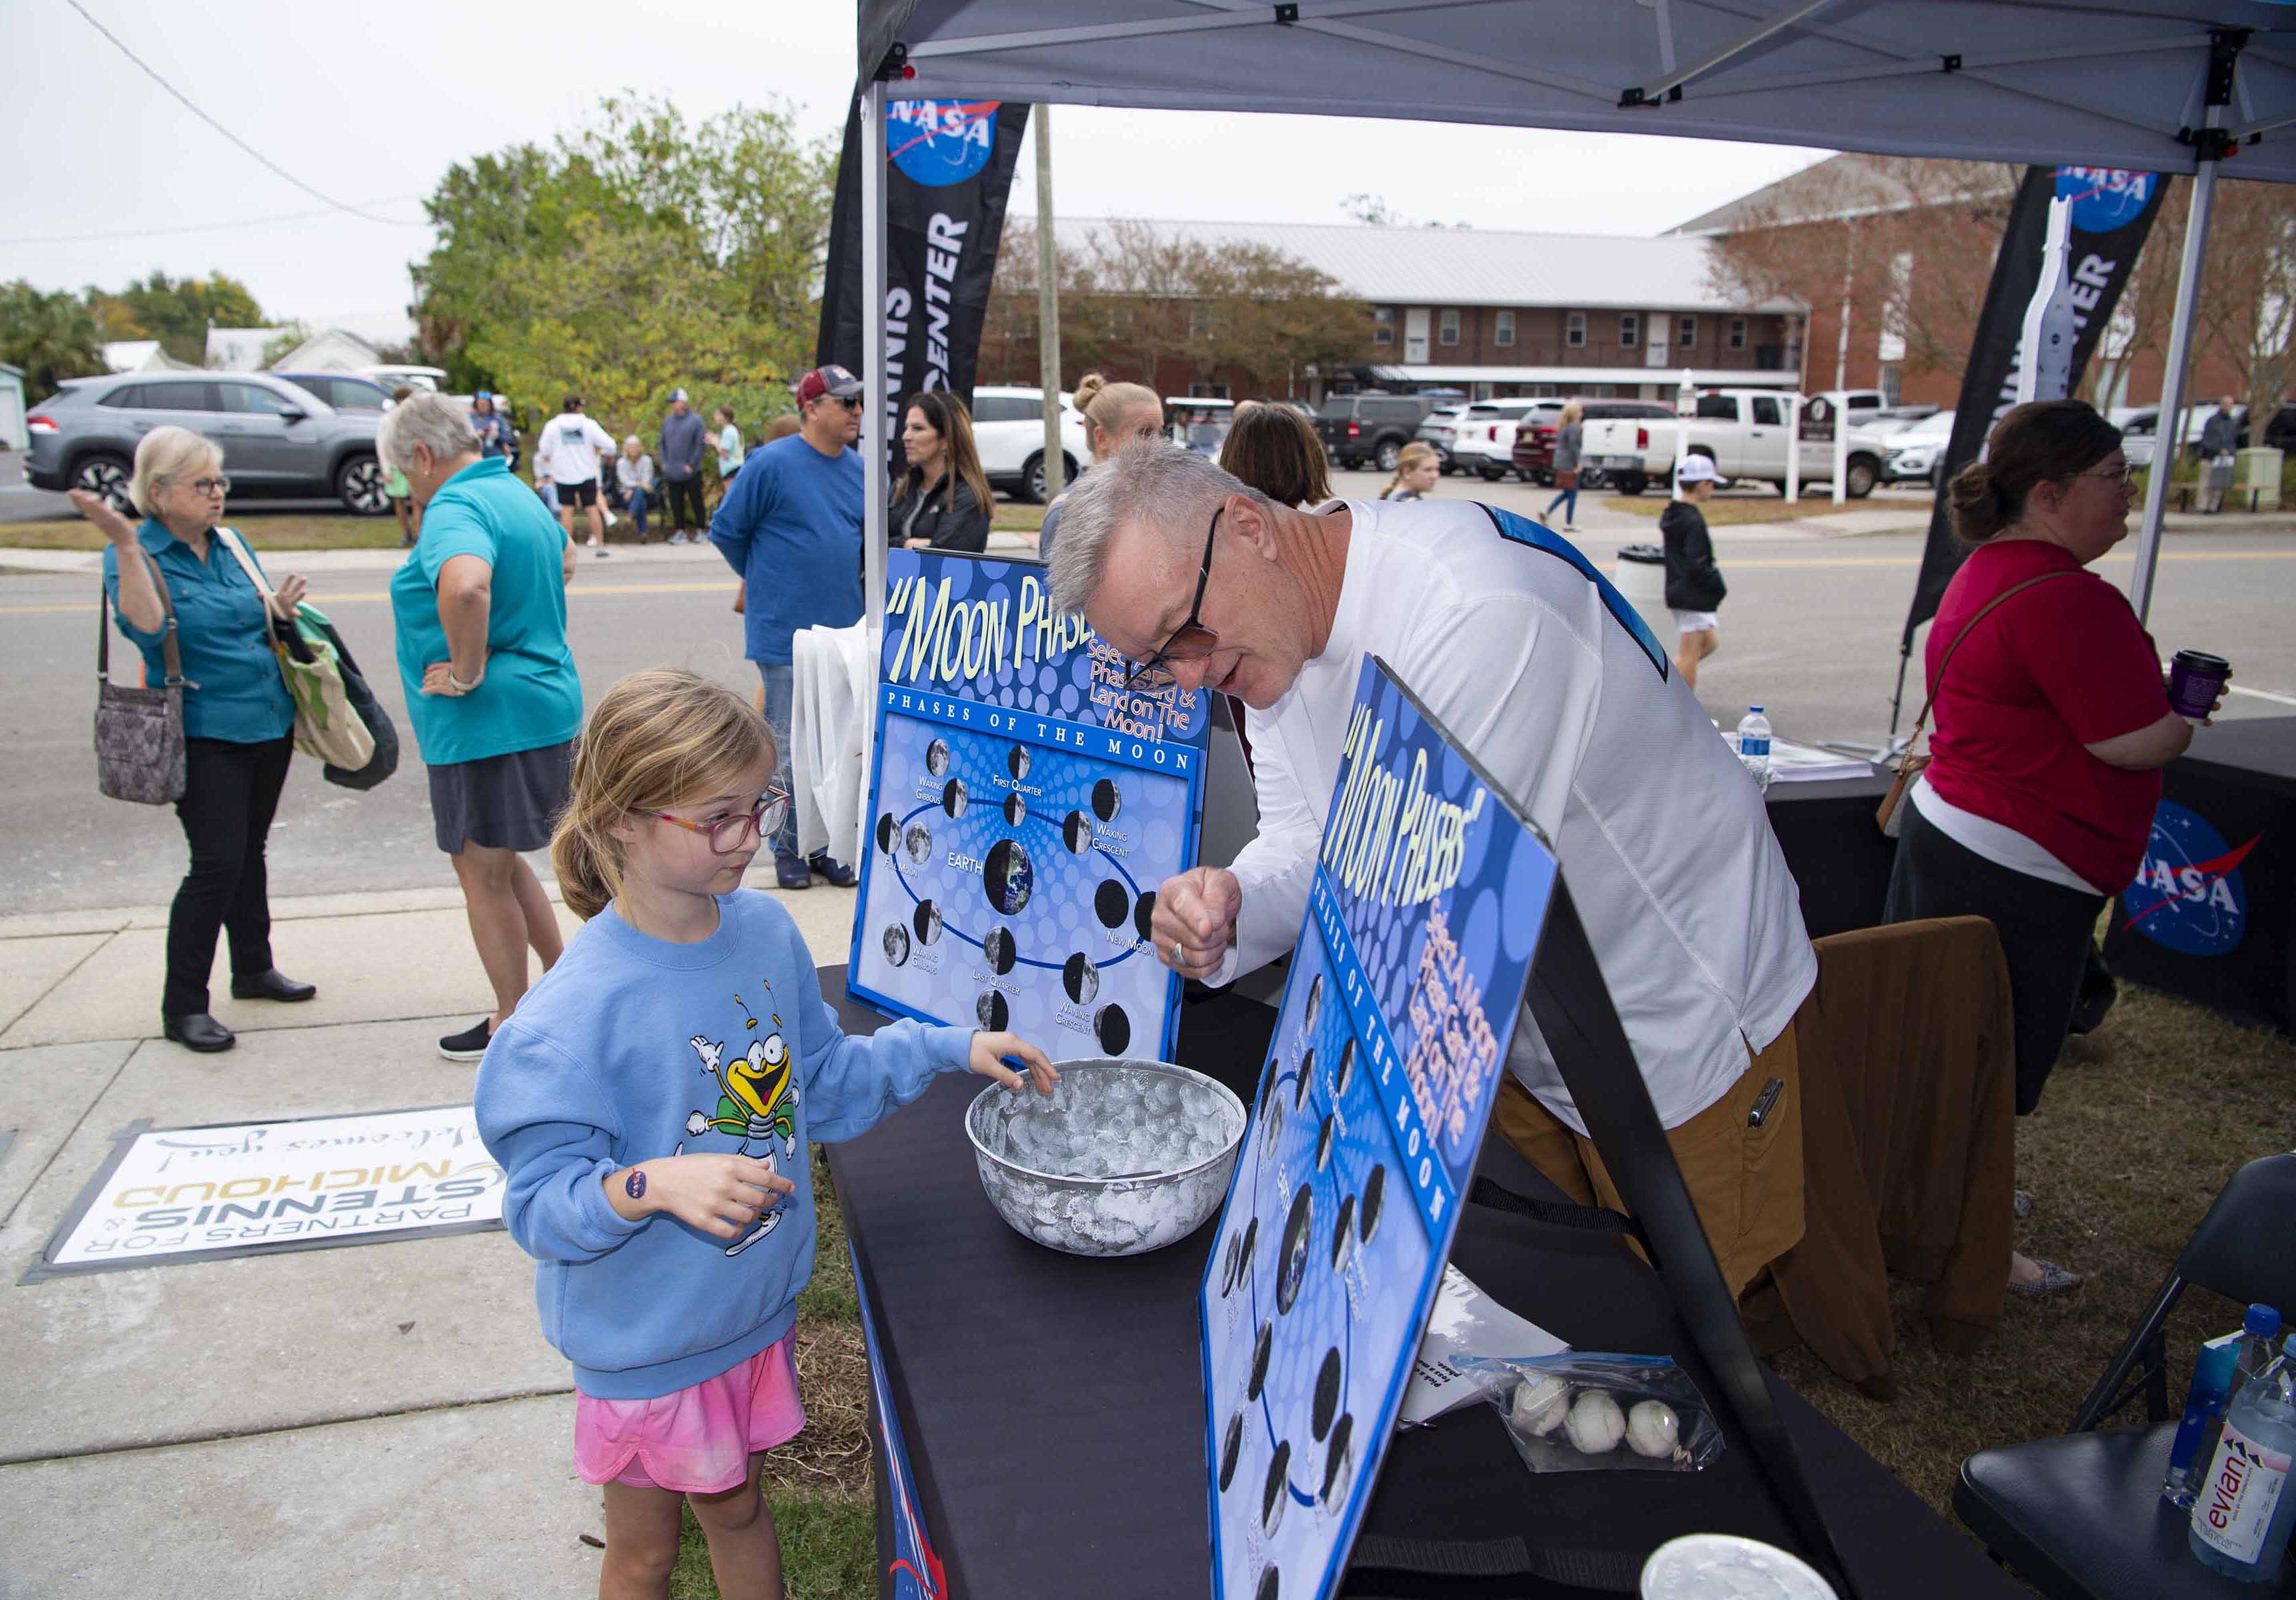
[818, 1483]
[1014, 516]
[283, 530]
[2143, 1122]
[1725, 511]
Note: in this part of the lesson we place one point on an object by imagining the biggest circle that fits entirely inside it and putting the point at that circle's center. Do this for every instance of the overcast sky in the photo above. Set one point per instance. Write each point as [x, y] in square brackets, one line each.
[370, 105]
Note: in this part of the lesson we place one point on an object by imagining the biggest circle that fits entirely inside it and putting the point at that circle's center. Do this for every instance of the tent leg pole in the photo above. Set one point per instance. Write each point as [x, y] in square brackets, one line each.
[2168, 433]
[874, 417]
[1898, 699]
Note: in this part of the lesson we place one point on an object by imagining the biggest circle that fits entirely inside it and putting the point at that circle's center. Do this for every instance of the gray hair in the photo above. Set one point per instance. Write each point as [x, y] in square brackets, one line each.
[1161, 484]
[430, 418]
[168, 456]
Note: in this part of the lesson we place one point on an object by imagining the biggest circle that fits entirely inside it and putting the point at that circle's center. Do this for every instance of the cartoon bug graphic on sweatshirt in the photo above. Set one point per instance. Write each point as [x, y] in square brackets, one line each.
[757, 1100]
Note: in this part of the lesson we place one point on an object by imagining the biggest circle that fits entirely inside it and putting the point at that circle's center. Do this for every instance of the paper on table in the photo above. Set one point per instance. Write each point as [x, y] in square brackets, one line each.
[1464, 1322]
[1793, 763]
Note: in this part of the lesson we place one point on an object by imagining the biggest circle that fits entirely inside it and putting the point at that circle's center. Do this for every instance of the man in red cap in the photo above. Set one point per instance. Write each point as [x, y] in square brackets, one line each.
[791, 526]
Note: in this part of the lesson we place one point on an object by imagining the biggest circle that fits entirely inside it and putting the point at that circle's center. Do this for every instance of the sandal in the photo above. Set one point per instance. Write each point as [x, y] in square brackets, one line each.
[2054, 1280]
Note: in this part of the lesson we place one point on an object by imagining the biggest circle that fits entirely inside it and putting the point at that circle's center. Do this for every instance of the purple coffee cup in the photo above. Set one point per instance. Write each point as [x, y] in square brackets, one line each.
[2195, 680]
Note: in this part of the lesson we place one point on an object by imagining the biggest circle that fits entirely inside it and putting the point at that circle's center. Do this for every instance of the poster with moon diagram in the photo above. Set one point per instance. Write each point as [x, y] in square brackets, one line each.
[1429, 895]
[1025, 806]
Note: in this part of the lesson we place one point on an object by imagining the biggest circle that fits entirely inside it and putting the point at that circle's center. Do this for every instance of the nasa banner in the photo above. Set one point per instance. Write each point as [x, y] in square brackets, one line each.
[2112, 213]
[948, 172]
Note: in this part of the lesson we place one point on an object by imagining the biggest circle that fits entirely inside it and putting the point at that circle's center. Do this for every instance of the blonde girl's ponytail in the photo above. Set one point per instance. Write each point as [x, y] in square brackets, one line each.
[659, 738]
[1406, 458]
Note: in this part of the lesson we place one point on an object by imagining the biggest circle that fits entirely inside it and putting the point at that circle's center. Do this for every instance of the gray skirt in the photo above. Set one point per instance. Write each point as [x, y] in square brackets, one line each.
[503, 802]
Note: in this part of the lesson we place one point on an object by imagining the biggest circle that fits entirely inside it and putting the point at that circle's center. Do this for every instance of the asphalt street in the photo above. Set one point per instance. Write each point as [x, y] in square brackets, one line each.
[1811, 630]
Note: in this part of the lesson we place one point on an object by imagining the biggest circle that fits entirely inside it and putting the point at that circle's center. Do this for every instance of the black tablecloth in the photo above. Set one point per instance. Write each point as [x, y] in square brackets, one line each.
[2239, 778]
[1839, 858]
[1053, 1406]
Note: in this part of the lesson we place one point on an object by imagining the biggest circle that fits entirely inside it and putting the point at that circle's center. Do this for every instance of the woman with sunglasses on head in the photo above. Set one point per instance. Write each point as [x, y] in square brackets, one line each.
[2050, 729]
[941, 501]
[238, 717]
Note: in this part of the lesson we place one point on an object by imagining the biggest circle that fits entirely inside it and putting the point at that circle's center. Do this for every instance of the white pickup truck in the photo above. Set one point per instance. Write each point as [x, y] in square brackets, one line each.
[1743, 431]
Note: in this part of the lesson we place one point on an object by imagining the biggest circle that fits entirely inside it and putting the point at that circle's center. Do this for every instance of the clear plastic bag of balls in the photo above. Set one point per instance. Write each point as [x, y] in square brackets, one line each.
[1586, 1412]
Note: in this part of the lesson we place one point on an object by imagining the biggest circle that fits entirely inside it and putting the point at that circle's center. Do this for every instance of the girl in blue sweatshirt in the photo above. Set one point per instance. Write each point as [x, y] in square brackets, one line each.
[651, 1101]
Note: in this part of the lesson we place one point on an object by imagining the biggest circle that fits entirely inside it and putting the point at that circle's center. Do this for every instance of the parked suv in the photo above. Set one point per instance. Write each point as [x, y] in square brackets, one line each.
[276, 438]
[1487, 434]
[1370, 427]
[1008, 426]
[1441, 430]
[1534, 437]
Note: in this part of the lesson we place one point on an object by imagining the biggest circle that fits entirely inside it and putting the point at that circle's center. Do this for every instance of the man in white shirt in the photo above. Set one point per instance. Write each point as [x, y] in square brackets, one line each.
[1541, 669]
[567, 453]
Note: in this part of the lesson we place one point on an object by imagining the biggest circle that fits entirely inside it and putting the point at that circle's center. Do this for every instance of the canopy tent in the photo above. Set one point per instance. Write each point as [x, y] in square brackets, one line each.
[2157, 86]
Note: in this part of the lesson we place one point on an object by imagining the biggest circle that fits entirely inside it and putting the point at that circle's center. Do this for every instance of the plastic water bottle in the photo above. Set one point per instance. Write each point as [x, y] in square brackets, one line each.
[2198, 1431]
[1754, 746]
[2258, 1330]
[2242, 1516]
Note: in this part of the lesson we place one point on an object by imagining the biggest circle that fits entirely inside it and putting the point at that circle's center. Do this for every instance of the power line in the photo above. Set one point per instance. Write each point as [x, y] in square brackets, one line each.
[205, 227]
[265, 160]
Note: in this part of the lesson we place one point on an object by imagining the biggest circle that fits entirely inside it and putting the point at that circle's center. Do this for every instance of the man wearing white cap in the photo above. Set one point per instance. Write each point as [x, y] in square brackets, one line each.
[683, 440]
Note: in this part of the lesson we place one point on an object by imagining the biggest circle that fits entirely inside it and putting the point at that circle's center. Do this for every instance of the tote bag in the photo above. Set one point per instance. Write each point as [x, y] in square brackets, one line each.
[326, 726]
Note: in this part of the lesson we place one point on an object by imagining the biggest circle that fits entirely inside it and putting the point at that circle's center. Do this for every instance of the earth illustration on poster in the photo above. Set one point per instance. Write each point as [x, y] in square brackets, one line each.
[1026, 805]
[1429, 897]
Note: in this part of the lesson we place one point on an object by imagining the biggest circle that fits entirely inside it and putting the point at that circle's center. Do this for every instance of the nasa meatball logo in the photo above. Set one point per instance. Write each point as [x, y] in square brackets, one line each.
[936, 142]
[2189, 896]
[2104, 198]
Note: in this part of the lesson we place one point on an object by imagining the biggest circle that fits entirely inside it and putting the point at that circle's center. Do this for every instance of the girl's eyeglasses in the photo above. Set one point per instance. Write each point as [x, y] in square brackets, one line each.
[727, 834]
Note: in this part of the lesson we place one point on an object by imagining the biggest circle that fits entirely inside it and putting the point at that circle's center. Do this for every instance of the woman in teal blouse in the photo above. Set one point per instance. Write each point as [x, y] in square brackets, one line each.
[480, 607]
[238, 719]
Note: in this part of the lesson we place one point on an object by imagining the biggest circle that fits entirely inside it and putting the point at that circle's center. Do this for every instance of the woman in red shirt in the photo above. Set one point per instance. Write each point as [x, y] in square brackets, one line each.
[2050, 730]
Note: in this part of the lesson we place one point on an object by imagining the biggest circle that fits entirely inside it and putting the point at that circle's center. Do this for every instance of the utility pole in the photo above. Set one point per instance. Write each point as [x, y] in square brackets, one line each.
[1048, 303]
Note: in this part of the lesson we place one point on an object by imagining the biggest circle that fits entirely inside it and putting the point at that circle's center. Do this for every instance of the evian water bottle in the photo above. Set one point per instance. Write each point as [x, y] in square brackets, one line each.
[2241, 1517]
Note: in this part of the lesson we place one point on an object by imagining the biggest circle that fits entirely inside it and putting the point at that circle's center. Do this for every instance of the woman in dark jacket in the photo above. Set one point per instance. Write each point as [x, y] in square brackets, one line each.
[942, 501]
[1694, 583]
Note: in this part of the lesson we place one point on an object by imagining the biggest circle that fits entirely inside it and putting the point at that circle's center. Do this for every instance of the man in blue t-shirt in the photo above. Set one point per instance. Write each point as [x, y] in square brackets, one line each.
[791, 526]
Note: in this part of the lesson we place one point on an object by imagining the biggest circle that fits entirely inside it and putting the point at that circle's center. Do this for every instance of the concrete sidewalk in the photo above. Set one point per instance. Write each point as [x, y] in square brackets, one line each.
[381, 1419]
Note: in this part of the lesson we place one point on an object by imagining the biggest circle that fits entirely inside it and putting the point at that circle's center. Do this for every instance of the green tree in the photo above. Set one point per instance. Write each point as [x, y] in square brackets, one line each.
[177, 313]
[638, 255]
[51, 335]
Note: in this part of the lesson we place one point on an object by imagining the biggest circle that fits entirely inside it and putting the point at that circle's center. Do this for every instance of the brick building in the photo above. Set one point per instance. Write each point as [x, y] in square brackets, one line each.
[1492, 313]
[1912, 316]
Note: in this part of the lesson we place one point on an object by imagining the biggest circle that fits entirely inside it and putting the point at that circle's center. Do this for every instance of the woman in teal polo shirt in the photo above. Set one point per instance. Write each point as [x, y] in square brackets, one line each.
[481, 608]
[238, 719]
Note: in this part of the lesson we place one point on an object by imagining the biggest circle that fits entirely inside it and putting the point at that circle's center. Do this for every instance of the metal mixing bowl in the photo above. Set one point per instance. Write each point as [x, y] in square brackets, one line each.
[1124, 1157]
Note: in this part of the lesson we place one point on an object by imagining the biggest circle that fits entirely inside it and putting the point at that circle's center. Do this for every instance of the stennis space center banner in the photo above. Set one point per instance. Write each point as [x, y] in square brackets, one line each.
[949, 168]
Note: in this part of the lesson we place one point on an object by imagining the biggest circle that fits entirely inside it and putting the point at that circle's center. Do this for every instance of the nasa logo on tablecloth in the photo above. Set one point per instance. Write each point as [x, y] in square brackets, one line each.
[937, 143]
[2188, 894]
[2104, 198]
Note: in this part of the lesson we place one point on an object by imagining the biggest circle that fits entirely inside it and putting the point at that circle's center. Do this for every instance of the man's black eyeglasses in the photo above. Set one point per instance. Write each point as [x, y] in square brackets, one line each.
[1191, 641]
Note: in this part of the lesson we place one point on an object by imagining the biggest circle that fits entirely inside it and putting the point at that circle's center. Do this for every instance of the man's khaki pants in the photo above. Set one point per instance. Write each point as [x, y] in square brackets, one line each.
[1746, 1182]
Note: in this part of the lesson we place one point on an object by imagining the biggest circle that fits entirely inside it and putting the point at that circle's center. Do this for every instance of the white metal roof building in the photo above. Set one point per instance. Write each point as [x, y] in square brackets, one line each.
[1474, 267]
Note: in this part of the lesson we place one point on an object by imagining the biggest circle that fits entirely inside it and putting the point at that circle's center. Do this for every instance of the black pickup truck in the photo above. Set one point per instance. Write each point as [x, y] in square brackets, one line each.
[1371, 428]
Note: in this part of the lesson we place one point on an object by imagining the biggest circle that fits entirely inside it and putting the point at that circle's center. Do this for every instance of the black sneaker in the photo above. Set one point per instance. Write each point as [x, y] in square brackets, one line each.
[835, 873]
[469, 1045]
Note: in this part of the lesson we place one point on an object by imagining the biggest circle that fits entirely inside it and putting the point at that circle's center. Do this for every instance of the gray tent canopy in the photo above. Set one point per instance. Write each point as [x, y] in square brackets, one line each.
[2042, 81]
[2153, 86]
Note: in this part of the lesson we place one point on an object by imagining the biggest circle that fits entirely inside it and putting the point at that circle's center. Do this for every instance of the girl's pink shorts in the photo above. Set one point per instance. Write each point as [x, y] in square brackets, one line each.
[697, 1440]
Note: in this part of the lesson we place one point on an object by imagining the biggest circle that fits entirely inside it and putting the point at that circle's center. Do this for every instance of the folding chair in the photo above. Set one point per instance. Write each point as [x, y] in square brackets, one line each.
[2081, 1515]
